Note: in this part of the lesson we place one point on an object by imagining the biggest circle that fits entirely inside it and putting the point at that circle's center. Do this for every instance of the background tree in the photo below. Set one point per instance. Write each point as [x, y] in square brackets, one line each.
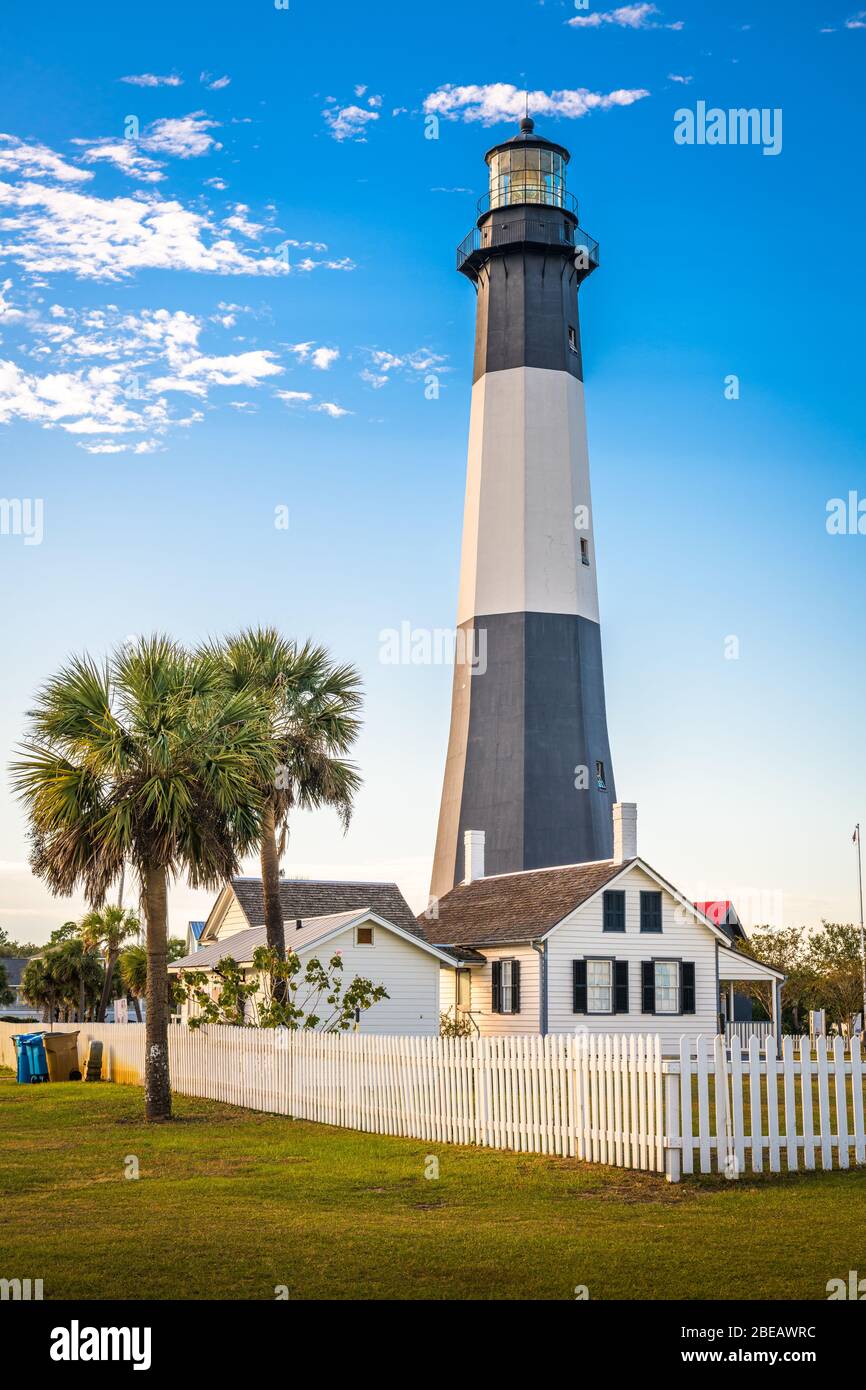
[79, 975]
[834, 954]
[109, 928]
[7, 993]
[785, 949]
[314, 995]
[311, 706]
[40, 986]
[133, 973]
[144, 760]
[8, 947]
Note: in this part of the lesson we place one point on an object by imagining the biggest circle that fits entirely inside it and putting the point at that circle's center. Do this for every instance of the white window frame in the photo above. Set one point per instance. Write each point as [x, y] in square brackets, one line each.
[677, 987]
[506, 991]
[611, 986]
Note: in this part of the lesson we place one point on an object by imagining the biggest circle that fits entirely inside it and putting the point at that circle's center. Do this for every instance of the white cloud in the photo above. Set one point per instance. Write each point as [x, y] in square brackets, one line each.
[305, 398]
[125, 391]
[501, 101]
[219, 184]
[8, 315]
[383, 364]
[239, 222]
[185, 137]
[320, 357]
[149, 79]
[214, 84]
[349, 122]
[58, 229]
[857, 21]
[678, 77]
[360, 89]
[292, 397]
[89, 401]
[239, 369]
[124, 155]
[112, 335]
[36, 161]
[625, 17]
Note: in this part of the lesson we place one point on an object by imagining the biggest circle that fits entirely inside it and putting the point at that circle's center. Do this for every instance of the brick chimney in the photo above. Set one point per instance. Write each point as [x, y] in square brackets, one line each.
[473, 855]
[624, 831]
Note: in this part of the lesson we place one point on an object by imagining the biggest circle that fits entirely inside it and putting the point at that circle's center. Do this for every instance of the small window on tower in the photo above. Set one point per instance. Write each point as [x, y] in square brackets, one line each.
[572, 338]
[600, 779]
[584, 550]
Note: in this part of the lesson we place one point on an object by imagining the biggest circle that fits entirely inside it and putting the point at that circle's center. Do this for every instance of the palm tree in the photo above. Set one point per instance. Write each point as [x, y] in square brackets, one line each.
[109, 928]
[144, 759]
[311, 707]
[133, 973]
[76, 967]
[40, 986]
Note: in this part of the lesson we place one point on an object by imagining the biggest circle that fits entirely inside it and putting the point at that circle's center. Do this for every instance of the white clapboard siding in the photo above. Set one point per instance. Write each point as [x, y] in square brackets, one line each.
[603, 1099]
[581, 936]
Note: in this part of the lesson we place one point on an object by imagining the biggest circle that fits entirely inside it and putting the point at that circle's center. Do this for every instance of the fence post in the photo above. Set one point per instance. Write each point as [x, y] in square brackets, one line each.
[671, 1136]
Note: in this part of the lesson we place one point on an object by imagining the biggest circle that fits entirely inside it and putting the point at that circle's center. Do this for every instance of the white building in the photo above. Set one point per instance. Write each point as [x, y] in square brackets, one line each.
[608, 947]
[370, 925]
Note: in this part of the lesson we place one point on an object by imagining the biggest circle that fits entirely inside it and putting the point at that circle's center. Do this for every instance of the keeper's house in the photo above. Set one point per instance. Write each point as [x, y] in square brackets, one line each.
[605, 947]
[370, 925]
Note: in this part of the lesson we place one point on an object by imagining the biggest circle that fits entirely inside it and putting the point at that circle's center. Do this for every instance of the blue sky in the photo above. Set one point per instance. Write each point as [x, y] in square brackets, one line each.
[282, 225]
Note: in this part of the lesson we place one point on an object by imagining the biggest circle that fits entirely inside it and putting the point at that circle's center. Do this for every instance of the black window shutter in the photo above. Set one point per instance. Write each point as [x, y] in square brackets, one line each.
[515, 986]
[648, 987]
[620, 992]
[650, 911]
[497, 986]
[687, 987]
[614, 910]
[578, 976]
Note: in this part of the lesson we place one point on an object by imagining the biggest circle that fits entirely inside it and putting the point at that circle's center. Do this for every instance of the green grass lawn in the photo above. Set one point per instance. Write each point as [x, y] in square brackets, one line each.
[231, 1203]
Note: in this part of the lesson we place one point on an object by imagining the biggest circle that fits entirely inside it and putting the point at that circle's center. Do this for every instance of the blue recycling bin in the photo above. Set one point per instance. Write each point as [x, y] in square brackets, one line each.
[23, 1061]
[32, 1062]
[36, 1062]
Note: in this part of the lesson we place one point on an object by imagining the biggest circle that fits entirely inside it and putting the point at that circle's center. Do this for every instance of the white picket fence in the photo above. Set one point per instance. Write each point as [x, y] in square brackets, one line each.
[806, 1103]
[746, 1030]
[593, 1098]
[602, 1099]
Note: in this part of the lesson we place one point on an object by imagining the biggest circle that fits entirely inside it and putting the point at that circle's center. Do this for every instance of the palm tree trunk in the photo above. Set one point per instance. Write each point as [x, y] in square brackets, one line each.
[157, 1084]
[82, 997]
[270, 862]
[110, 963]
[137, 1006]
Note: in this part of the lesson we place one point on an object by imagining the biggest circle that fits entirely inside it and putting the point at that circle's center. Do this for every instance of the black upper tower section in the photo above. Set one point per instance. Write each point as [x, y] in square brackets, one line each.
[527, 257]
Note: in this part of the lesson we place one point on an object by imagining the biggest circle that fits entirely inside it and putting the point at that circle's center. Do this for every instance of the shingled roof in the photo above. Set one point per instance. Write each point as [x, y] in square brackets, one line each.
[514, 907]
[242, 945]
[301, 898]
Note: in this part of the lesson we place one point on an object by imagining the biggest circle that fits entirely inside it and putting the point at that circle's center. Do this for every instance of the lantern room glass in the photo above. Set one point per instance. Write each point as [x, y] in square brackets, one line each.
[526, 175]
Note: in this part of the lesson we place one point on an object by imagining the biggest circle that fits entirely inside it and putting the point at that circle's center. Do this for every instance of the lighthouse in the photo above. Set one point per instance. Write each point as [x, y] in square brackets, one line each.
[528, 759]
